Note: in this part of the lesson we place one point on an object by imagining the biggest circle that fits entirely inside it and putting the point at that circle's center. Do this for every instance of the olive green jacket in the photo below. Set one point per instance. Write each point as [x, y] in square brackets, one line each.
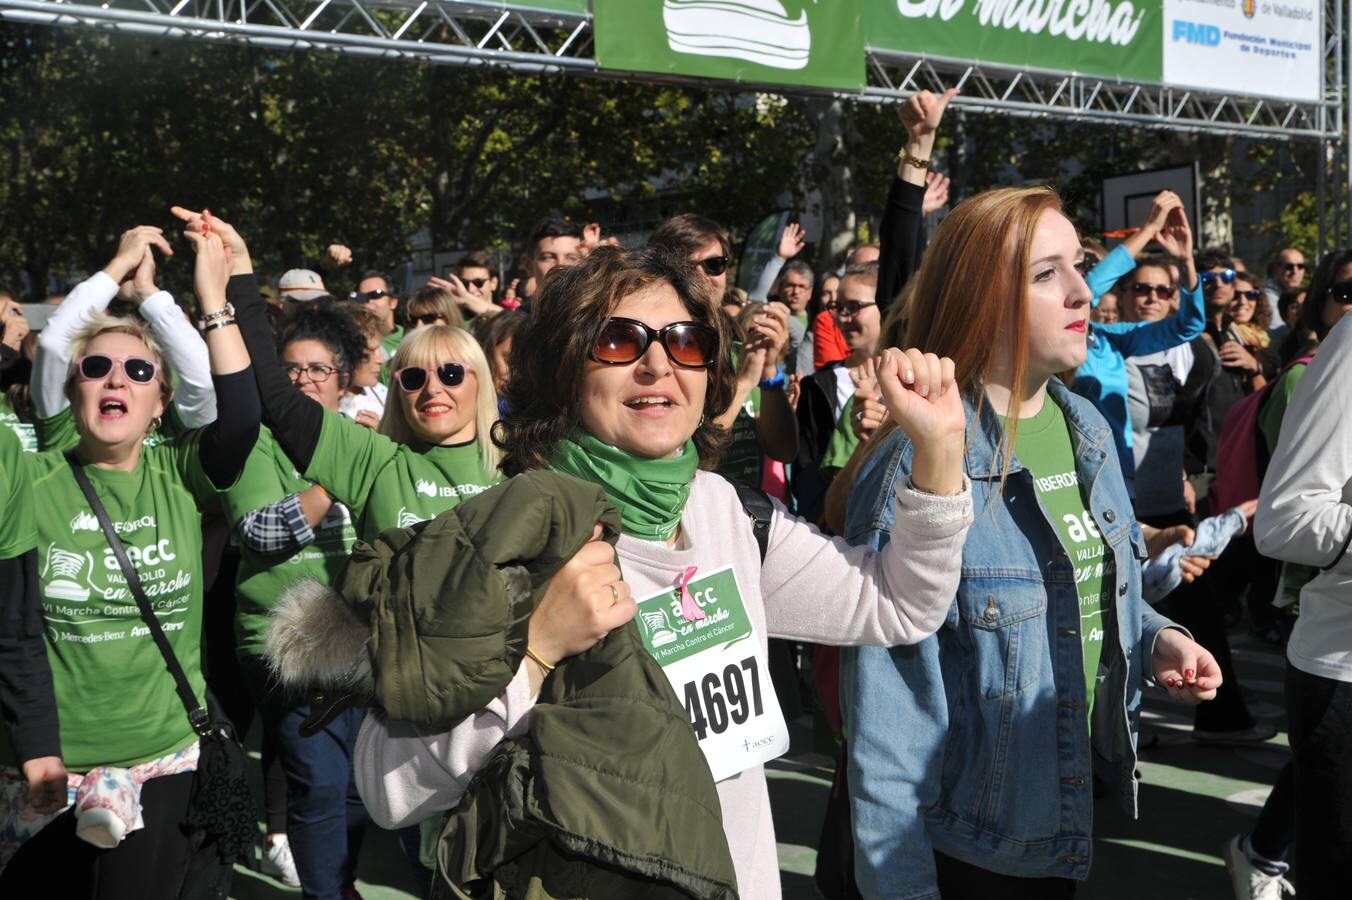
[608, 794]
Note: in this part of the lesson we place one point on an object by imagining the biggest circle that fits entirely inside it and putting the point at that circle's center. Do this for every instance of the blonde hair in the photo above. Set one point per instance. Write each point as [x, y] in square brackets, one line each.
[101, 323]
[431, 346]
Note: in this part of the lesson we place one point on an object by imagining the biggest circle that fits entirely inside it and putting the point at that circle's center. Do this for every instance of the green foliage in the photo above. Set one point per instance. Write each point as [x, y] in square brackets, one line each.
[100, 131]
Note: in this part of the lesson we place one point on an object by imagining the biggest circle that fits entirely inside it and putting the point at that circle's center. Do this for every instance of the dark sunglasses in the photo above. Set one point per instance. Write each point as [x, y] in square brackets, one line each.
[368, 296]
[414, 378]
[849, 308]
[1293, 267]
[621, 341]
[1341, 292]
[429, 318]
[1208, 279]
[1249, 295]
[714, 265]
[96, 366]
[318, 372]
[1163, 291]
[476, 283]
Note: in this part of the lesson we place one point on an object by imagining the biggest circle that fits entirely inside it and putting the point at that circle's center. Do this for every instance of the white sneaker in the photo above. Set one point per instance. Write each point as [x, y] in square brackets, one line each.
[278, 862]
[1250, 882]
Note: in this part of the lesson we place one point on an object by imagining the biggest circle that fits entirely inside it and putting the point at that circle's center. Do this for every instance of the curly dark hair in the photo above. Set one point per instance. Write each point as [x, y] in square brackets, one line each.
[1310, 329]
[550, 351]
[325, 322]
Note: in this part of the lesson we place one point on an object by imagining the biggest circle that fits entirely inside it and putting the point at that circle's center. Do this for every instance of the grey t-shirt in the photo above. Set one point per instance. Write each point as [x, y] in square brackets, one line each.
[1157, 448]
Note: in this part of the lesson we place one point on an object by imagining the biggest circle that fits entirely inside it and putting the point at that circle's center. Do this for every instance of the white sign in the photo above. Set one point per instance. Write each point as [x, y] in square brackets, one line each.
[1269, 48]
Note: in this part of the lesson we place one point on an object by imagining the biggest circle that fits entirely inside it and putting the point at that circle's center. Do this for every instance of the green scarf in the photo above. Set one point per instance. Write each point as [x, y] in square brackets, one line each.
[649, 493]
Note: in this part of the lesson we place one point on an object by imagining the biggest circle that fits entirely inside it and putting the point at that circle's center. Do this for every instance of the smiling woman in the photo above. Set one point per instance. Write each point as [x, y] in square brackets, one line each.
[618, 378]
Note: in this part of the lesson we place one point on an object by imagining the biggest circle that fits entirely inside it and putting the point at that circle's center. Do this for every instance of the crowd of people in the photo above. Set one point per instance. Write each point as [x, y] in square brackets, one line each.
[538, 573]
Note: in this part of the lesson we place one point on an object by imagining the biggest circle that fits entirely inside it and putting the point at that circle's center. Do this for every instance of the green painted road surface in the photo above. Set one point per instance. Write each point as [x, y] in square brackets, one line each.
[1192, 800]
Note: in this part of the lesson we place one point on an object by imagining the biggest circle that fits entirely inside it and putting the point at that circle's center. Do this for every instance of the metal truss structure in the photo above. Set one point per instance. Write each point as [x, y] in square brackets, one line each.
[521, 38]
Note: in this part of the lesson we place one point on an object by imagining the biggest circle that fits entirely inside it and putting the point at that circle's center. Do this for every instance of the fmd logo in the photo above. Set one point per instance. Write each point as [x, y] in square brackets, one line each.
[1196, 33]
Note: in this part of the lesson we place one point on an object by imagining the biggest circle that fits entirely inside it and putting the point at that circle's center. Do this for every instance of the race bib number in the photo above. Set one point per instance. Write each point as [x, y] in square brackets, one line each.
[718, 670]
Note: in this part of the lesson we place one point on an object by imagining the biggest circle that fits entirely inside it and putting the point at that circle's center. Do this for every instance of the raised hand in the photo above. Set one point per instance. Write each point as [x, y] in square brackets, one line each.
[769, 331]
[923, 112]
[1161, 207]
[868, 409]
[132, 248]
[212, 270]
[464, 298]
[1175, 236]
[791, 242]
[1185, 668]
[922, 397]
[936, 192]
[13, 325]
[196, 222]
[143, 279]
[337, 255]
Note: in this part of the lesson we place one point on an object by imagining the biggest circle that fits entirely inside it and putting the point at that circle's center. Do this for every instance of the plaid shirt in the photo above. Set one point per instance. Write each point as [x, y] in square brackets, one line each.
[277, 527]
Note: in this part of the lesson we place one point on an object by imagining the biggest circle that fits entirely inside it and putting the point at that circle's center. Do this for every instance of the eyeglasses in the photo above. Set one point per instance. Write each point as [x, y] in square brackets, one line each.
[1293, 267]
[714, 265]
[1250, 294]
[476, 283]
[429, 319]
[368, 296]
[849, 308]
[1163, 291]
[1341, 292]
[621, 341]
[318, 372]
[96, 366]
[414, 378]
[1209, 279]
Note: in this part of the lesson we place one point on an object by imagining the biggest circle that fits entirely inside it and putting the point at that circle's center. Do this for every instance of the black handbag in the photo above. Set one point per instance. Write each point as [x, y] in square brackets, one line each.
[221, 820]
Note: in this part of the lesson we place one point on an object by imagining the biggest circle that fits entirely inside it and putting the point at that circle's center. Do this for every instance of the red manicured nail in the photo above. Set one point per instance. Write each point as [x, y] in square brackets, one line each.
[1190, 674]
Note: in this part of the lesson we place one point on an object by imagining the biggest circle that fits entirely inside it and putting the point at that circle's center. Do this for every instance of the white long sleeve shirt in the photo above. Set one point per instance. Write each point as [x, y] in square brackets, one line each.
[810, 587]
[1305, 509]
[184, 349]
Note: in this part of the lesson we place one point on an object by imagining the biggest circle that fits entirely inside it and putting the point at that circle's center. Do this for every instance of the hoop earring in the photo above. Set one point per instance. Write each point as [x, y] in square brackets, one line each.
[154, 425]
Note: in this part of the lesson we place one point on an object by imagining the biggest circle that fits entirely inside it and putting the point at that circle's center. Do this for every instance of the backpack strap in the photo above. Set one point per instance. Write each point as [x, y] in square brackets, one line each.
[756, 503]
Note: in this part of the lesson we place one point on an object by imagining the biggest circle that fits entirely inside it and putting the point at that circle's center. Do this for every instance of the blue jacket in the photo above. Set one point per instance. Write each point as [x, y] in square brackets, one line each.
[975, 742]
[1103, 376]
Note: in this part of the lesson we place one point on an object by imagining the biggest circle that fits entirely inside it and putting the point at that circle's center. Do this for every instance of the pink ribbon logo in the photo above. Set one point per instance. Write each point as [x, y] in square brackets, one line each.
[690, 610]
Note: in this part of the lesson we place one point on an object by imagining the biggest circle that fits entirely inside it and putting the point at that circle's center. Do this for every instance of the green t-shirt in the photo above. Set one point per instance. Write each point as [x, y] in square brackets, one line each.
[843, 440]
[118, 702]
[743, 457]
[269, 476]
[1042, 444]
[391, 485]
[18, 530]
[390, 343]
[24, 431]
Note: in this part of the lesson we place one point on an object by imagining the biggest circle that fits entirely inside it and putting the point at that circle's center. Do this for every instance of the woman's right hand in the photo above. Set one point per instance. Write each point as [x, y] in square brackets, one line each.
[197, 223]
[584, 601]
[212, 270]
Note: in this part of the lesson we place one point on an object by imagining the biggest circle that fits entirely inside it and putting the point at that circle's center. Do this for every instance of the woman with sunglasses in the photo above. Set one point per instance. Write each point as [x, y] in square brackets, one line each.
[972, 753]
[431, 450]
[432, 306]
[130, 276]
[1250, 318]
[289, 529]
[1102, 378]
[618, 377]
[119, 707]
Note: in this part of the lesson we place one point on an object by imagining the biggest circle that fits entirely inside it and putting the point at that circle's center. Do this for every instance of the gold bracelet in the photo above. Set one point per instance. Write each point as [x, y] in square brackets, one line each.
[538, 661]
[906, 158]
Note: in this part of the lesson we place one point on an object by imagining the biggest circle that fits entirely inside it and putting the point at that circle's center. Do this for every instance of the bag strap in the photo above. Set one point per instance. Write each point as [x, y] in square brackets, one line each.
[757, 505]
[197, 715]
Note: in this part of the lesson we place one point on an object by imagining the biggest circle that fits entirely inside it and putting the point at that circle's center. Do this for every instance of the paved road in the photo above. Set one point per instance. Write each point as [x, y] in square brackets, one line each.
[1192, 800]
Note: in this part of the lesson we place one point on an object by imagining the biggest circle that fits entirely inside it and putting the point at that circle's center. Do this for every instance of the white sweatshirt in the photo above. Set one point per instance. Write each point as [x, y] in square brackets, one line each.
[1305, 510]
[184, 349]
[811, 588]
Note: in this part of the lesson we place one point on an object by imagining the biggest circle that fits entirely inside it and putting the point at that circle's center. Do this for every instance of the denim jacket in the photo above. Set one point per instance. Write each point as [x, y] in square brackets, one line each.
[975, 741]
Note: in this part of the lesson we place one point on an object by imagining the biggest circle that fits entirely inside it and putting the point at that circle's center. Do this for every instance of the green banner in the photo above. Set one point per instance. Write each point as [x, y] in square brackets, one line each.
[803, 42]
[579, 6]
[1120, 38]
